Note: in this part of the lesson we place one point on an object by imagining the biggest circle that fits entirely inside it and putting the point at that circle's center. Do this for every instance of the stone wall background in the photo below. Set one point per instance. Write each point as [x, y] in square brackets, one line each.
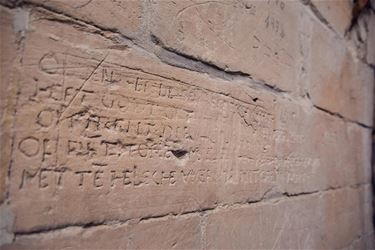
[186, 124]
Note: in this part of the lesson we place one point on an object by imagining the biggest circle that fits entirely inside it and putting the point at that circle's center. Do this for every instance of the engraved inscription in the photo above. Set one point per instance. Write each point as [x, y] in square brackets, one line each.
[122, 115]
[146, 140]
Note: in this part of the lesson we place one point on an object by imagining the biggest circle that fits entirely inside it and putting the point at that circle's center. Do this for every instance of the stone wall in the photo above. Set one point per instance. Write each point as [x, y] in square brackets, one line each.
[186, 124]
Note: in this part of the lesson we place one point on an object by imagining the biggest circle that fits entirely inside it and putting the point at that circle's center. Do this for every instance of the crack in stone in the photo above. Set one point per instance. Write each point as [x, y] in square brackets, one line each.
[182, 60]
[335, 114]
[318, 15]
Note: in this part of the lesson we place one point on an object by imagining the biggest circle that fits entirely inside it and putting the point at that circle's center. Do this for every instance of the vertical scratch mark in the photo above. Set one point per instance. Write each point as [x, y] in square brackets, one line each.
[285, 221]
[13, 145]
[63, 100]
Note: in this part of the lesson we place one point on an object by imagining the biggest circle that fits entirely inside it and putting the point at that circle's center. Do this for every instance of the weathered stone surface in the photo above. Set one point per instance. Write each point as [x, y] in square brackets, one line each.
[338, 82]
[6, 225]
[178, 233]
[8, 83]
[254, 37]
[100, 138]
[122, 16]
[370, 52]
[338, 13]
[112, 139]
[295, 223]
[319, 150]
[211, 32]
[107, 140]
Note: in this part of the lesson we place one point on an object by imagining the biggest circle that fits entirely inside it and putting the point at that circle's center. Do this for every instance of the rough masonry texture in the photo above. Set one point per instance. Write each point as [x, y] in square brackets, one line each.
[186, 124]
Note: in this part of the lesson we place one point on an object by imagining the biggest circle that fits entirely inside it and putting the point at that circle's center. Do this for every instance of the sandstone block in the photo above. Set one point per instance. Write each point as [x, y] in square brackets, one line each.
[371, 40]
[318, 151]
[8, 84]
[338, 13]
[338, 82]
[298, 222]
[122, 16]
[105, 145]
[179, 233]
[107, 133]
[254, 37]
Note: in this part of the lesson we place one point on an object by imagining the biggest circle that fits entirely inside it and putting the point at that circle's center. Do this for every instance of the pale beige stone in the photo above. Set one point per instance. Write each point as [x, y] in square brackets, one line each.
[370, 53]
[246, 42]
[254, 37]
[317, 150]
[165, 136]
[177, 233]
[296, 223]
[8, 85]
[6, 224]
[117, 15]
[338, 13]
[114, 148]
[100, 138]
[339, 82]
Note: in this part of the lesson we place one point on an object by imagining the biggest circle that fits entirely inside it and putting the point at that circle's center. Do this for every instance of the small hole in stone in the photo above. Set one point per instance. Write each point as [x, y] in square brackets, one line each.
[255, 99]
[179, 153]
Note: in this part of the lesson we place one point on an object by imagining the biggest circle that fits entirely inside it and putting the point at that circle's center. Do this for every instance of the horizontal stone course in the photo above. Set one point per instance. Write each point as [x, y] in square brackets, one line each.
[295, 222]
[180, 233]
[298, 222]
